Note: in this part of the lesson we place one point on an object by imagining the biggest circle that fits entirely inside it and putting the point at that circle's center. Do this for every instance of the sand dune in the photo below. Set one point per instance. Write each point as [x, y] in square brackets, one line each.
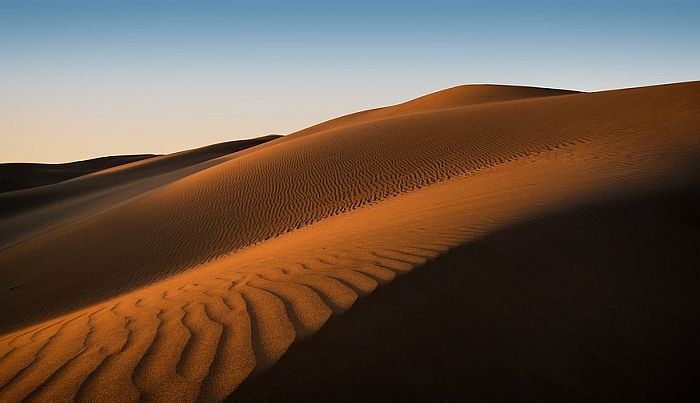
[18, 176]
[29, 212]
[463, 95]
[186, 290]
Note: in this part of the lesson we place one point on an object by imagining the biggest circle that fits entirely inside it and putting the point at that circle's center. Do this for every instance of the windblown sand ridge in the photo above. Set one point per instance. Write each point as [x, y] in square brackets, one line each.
[109, 315]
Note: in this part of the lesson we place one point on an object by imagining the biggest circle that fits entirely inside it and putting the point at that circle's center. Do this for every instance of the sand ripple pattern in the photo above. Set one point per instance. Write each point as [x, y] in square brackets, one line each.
[197, 338]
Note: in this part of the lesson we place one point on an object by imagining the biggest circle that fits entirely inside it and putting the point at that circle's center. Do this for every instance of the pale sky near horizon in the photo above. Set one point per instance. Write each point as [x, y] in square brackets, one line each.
[81, 79]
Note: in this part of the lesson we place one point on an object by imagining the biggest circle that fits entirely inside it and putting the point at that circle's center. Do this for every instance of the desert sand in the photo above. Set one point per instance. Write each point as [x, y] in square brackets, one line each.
[19, 175]
[545, 240]
[31, 211]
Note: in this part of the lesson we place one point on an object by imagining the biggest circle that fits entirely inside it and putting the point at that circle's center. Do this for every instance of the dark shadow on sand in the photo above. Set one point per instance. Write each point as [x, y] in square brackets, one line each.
[599, 303]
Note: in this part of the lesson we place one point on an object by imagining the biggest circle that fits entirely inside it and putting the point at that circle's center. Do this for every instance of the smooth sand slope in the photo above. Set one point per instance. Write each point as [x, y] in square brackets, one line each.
[186, 290]
[18, 176]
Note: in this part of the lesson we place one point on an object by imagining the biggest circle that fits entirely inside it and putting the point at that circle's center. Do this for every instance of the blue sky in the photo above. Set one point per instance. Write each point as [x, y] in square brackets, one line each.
[81, 79]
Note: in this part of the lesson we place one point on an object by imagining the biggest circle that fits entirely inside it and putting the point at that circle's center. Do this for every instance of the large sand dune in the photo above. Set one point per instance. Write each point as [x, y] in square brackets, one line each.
[185, 290]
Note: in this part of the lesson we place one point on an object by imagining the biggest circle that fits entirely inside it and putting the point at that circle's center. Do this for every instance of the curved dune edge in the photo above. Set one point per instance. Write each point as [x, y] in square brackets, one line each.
[455, 97]
[198, 335]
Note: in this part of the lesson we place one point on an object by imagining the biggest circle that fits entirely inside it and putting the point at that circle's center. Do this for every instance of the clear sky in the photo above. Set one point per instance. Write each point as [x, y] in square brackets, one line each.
[81, 79]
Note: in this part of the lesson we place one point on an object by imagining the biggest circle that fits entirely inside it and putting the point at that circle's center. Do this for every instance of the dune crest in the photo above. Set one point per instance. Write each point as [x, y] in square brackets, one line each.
[455, 97]
[188, 289]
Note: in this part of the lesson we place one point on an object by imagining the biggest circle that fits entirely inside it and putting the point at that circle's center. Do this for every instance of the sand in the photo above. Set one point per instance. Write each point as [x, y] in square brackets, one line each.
[184, 290]
[32, 211]
[597, 320]
[19, 175]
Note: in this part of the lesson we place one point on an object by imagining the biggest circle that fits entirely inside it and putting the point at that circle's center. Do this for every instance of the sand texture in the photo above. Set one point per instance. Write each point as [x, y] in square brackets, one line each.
[179, 278]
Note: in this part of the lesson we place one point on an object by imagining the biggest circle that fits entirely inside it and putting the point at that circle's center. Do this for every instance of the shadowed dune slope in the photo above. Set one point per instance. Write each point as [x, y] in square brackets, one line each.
[597, 303]
[18, 176]
[191, 288]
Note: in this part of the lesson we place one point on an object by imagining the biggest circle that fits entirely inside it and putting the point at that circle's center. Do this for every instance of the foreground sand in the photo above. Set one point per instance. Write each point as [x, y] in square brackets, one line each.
[588, 304]
[183, 291]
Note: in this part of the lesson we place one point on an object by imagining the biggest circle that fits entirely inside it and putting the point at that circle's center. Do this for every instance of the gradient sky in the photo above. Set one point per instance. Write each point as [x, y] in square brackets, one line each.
[81, 79]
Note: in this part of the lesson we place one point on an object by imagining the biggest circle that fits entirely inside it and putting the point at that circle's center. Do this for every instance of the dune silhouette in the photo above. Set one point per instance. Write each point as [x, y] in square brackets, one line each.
[179, 277]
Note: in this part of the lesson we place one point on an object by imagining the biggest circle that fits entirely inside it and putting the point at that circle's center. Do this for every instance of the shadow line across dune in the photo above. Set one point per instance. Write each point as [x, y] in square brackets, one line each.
[595, 303]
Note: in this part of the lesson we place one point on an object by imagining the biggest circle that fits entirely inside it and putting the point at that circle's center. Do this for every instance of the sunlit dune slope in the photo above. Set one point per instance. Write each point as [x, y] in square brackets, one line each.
[460, 96]
[18, 176]
[463, 95]
[28, 212]
[184, 292]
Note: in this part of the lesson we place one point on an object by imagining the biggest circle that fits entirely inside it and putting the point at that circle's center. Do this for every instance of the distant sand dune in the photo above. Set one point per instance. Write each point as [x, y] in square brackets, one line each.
[29, 212]
[186, 290]
[18, 176]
